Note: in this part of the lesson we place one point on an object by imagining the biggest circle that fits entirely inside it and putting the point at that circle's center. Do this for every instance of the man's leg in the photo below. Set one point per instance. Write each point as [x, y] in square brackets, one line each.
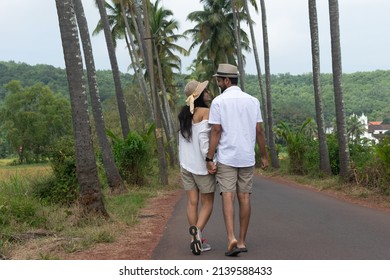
[244, 189]
[228, 214]
[245, 213]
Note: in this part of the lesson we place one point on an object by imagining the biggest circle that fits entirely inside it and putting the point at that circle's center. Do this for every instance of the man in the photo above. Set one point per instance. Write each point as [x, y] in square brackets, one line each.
[236, 126]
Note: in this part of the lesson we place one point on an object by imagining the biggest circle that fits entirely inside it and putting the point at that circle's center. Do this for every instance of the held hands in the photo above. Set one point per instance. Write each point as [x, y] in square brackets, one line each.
[211, 167]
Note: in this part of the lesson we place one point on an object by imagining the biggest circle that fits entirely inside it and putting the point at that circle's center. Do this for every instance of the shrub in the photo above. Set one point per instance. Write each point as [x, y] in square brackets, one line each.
[297, 142]
[132, 157]
[61, 188]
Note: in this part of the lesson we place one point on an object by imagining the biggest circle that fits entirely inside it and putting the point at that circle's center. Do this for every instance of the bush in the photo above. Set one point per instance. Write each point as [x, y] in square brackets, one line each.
[132, 157]
[16, 205]
[333, 148]
[61, 188]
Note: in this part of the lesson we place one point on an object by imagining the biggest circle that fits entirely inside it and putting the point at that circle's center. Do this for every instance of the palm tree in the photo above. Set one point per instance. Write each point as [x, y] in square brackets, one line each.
[164, 29]
[237, 38]
[156, 105]
[90, 198]
[213, 30]
[344, 157]
[114, 179]
[271, 139]
[258, 68]
[355, 128]
[115, 69]
[315, 49]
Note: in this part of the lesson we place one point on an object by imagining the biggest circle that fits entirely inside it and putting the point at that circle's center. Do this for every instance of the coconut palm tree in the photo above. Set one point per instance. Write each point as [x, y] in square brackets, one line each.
[355, 128]
[258, 68]
[114, 179]
[90, 198]
[271, 138]
[345, 170]
[156, 104]
[114, 68]
[213, 33]
[315, 50]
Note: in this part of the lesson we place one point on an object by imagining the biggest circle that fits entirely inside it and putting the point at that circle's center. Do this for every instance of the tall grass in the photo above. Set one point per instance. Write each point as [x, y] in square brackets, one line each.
[22, 212]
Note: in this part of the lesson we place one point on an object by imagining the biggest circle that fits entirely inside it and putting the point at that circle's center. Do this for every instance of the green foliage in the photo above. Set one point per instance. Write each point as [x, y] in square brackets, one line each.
[61, 188]
[333, 149]
[16, 206]
[297, 142]
[132, 156]
[33, 119]
[55, 78]
[374, 173]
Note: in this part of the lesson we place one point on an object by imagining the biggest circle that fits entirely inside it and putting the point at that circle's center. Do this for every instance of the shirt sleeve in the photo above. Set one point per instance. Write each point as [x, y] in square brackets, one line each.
[204, 137]
[215, 113]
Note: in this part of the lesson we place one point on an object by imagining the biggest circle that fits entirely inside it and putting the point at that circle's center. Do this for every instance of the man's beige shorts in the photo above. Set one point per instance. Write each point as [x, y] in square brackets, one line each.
[205, 183]
[235, 179]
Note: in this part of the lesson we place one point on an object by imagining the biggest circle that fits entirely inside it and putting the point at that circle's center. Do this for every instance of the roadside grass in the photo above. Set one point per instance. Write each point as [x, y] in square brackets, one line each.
[332, 184]
[34, 229]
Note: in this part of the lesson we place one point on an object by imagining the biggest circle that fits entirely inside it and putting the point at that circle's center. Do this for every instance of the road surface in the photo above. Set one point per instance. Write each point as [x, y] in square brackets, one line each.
[287, 223]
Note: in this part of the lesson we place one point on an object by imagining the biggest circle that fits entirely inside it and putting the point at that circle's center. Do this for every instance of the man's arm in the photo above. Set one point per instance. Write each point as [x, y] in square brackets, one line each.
[215, 135]
[260, 139]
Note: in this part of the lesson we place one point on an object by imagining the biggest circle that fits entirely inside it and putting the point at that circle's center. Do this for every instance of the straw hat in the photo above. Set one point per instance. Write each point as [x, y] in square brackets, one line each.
[226, 70]
[193, 90]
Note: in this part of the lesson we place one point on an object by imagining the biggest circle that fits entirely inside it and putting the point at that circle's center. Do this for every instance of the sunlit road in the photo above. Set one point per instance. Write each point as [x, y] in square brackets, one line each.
[287, 223]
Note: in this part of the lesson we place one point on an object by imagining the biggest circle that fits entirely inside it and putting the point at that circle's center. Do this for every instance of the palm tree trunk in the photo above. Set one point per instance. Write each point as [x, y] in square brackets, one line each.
[169, 124]
[258, 68]
[91, 198]
[315, 49]
[338, 90]
[271, 140]
[136, 63]
[114, 179]
[115, 69]
[236, 21]
[158, 131]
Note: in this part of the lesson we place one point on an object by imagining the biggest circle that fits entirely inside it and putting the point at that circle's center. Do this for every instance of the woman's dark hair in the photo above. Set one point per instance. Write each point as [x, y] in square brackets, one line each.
[185, 117]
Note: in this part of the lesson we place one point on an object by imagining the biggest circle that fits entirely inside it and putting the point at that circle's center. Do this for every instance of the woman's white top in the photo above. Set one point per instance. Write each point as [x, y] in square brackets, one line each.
[192, 155]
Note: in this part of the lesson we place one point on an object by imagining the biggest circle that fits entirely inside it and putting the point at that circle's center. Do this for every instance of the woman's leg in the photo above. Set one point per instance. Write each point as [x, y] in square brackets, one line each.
[192, 206]
[205, 209]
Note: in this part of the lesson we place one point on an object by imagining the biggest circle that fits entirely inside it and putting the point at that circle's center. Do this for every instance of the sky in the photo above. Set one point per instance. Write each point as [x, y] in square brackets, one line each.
[29, 33]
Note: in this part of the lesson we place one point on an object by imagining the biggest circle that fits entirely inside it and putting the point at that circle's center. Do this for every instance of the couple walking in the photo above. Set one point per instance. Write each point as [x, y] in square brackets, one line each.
[233, 124]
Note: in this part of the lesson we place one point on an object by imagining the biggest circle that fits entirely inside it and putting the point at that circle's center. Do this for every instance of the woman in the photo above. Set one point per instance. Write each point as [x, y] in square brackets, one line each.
[193, 146]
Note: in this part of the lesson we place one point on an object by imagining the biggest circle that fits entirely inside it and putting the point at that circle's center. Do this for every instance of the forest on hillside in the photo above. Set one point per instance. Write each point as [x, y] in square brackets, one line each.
[292, 95]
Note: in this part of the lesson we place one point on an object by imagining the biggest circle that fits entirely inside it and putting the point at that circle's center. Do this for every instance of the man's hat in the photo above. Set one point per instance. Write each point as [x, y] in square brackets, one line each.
[226, 70]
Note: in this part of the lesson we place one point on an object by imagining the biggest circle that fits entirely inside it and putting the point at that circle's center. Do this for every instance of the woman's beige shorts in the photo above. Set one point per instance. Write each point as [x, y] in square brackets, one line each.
[205, 183]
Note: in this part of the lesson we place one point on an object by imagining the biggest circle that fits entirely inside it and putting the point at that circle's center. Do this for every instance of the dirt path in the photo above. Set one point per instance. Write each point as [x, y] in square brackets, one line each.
[136, 242]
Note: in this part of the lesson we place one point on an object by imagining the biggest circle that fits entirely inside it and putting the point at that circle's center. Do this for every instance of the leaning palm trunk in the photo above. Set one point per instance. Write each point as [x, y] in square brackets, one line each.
[338, 90]
[115, 69]
[158, 131]
[315, 49]
[136, 61]
[168, 120]
[259, 75]
[236, 21]
[271, 141]
[90, 198]
[114, 179]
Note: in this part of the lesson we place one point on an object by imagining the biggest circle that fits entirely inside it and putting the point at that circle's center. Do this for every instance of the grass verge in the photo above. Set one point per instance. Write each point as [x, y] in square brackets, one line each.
[33, 229]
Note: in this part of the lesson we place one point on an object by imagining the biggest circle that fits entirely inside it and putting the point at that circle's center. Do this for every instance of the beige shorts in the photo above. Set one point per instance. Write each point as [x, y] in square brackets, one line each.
[235, 179]
[205, 183]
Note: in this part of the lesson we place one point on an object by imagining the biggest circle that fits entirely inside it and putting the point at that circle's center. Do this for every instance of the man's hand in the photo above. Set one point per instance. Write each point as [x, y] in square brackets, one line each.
[211, 167]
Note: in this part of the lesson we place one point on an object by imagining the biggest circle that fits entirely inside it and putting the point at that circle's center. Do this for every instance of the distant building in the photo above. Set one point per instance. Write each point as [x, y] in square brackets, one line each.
[374, 130]
[378, 129]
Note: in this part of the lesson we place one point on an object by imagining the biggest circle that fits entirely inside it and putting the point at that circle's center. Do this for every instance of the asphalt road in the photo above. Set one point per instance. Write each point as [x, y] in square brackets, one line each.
[287, 223]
